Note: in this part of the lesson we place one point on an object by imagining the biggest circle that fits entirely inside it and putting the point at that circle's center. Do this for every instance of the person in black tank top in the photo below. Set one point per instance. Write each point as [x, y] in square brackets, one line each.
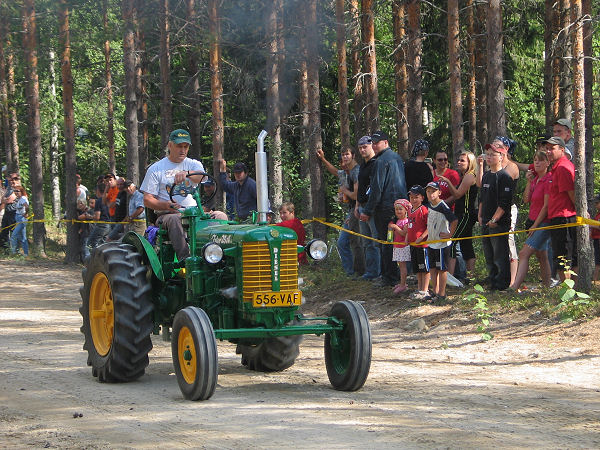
[464, 197]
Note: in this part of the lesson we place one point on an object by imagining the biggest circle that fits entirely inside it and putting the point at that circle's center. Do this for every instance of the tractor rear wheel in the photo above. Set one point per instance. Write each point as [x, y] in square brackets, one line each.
[194, 351]
[271, 355]
[117, 313]
[348, 352]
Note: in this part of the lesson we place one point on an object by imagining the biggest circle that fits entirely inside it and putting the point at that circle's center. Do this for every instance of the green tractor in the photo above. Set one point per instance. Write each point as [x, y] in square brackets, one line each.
[239, 284]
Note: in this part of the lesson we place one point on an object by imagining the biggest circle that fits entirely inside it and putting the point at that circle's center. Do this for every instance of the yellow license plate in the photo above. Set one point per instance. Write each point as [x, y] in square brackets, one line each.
[274, 299]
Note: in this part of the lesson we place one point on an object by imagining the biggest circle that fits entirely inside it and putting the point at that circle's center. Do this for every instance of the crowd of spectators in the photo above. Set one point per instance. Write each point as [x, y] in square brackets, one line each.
[443, 205]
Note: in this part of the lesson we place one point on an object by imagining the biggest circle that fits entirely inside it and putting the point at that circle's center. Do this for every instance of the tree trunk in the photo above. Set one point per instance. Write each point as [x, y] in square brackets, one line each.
[34, 127]
[141, 89]
[131, 120]
[588, 83]
[72, 251]
[370, 66]
[458, 143]
[54, 155]
[340, 30]
[481, 73]
[556, 61]
[415, 74]
[566, 76]
[110, 129]
[194, 85]
[495, 82]
[548, 61]
[12, 147]
[472, 95]
[584, 248]
[305, 165]
[314, 117]
[358, 101]
[6, 141]
[166, 119]
[274, 11]
[216, 89]
[400, 78]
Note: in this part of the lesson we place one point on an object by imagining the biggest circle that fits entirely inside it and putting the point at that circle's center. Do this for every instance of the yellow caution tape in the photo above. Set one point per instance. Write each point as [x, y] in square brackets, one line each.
[580, 221]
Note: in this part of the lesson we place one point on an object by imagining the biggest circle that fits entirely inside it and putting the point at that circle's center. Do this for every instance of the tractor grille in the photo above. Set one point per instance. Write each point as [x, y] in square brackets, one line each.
[256, 261]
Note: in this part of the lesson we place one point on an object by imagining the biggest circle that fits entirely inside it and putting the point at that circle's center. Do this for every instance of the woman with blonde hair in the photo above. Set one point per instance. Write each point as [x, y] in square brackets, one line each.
[464, 196]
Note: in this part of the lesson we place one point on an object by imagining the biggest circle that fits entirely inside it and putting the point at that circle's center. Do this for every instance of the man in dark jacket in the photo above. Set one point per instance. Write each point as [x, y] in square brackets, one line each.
[388, 184]
[244, 189]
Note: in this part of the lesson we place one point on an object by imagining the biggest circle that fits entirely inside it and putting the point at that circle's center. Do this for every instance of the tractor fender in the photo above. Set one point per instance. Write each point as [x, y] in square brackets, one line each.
[146, 249]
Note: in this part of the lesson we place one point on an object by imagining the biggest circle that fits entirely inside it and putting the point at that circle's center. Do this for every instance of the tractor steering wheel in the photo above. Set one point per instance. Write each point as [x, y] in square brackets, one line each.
[184, 189]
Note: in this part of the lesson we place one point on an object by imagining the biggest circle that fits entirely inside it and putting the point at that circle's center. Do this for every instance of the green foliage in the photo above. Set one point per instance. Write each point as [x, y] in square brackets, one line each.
[481, 308]
[244, 53]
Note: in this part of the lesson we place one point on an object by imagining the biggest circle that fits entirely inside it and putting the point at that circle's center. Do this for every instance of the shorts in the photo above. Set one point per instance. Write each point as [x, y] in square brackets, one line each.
[401, 254]
[438, 258]
[564, 242]
[596, 251]
[419, 259]
[512, 246]
[540, 239]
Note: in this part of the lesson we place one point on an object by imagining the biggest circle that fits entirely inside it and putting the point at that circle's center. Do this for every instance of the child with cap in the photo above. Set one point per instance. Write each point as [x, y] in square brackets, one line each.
[441, 224]
[399, 231]
[417, 233]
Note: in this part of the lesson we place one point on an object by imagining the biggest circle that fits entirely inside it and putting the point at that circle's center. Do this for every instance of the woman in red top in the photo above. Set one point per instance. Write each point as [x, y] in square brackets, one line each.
[537, 193]
[449, 175]
[286, 211]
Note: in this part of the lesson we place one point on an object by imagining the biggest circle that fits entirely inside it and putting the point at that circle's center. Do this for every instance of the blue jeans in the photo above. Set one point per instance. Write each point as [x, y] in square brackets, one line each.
[343, 246]
[99, 231]
[372, 249]
[19, 236]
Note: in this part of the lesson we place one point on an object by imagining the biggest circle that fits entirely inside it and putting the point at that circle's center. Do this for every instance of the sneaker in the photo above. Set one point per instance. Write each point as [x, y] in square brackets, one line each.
[440, 300]
[419, 295]
[430, 298]
[382, 283]
[368, 278]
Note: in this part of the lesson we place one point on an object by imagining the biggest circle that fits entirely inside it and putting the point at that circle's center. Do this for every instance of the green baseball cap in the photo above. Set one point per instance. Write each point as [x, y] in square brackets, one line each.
[178, 136]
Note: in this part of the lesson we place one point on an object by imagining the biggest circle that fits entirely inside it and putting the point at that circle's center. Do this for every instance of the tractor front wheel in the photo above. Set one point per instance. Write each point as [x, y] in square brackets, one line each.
[348, 352]
[194, 350]
[117, 313]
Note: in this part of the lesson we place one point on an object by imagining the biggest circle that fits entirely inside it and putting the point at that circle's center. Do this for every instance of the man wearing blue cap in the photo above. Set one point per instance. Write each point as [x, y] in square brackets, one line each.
[172, 169]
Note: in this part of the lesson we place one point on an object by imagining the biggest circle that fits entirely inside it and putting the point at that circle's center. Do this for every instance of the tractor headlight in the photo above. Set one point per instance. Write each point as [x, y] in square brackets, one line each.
[316, 249]
[212, 253]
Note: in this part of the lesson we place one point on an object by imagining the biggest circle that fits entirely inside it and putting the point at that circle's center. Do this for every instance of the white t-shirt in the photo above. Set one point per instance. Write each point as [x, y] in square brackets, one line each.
[21, 204]
[162, 173]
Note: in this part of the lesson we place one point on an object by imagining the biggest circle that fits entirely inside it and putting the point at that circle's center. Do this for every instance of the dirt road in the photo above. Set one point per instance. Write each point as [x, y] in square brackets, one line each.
[536, 384]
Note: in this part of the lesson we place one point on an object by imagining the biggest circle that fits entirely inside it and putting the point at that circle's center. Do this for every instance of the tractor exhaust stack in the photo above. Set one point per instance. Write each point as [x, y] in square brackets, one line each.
[262, 187]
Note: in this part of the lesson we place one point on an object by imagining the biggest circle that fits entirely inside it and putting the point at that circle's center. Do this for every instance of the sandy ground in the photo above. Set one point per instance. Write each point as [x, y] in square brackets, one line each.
[536, 384]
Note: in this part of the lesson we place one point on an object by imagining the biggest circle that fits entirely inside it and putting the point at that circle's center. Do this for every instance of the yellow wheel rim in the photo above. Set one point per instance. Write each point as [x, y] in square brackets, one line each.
[186, 350]
[102, 314]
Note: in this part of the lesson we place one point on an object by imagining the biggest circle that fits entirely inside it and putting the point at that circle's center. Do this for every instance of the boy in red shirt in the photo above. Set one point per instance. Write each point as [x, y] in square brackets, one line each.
[417, 233]
[286, 211]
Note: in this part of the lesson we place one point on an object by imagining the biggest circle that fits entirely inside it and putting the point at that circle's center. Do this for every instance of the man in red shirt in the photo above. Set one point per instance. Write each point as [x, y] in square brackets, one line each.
[561, 206]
